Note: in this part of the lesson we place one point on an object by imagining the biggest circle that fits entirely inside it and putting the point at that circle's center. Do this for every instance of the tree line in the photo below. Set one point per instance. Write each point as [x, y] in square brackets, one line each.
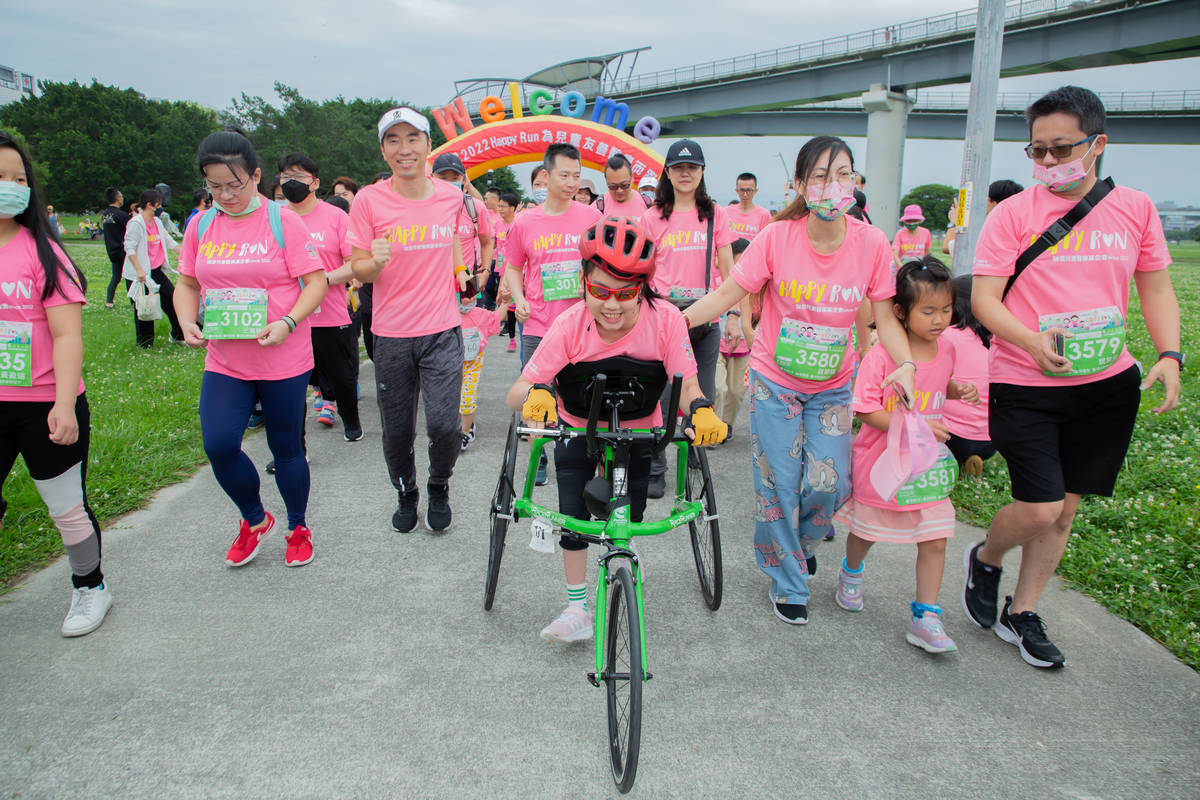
[84, 138]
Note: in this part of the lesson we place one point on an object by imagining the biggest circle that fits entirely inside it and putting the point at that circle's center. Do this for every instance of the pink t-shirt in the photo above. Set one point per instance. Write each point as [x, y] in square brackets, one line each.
[154, 246]
[479, 324]
[681, 251]
[546, 248]
[912, 246]
[813, 297]
[660, 334]
[500, 230]
[327, 225]
[747, 225]
[634, 207]
[932, 380]
[22, 281]
[241, 253]
[467, 230]
[970, 366]
[414, 294]
[1076, 280]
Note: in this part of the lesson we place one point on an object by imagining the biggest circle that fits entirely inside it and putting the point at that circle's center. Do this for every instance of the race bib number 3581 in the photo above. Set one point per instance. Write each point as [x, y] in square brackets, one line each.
[234, 313]
[16, 353]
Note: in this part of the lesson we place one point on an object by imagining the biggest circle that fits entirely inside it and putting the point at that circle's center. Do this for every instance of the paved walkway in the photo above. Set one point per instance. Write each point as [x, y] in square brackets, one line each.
[375, 672]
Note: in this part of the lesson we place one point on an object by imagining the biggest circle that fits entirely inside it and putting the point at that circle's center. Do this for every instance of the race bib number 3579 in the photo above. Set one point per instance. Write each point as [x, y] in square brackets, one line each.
[234, 313]
[1097, 338]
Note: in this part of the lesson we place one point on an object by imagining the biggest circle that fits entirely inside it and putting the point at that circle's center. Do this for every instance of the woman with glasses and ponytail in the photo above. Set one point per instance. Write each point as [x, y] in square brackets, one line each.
[817, 265]
[254, 268]
[45, 415]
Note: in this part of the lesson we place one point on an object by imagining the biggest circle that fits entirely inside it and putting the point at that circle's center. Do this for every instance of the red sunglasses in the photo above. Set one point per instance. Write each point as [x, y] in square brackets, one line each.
[603, 292]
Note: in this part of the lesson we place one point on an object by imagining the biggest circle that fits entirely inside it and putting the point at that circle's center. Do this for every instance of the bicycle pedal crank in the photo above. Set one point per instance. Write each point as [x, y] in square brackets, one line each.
[593, 679]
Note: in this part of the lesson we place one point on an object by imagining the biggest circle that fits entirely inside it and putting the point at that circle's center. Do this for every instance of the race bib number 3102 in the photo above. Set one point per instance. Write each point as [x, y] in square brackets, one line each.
[1097, 338]
[16, 353]
[234, 313]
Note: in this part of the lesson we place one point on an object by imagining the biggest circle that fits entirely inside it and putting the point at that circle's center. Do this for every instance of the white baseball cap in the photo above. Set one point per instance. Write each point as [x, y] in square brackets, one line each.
[402, 114]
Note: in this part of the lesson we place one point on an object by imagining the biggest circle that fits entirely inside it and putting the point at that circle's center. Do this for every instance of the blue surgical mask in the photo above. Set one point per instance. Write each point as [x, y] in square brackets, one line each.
[539, 194]
[250, 209]
[14, 198]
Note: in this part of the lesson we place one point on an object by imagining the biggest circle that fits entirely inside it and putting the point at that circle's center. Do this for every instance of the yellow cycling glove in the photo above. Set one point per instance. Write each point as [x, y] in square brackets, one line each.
[540, 406]
[704, 422]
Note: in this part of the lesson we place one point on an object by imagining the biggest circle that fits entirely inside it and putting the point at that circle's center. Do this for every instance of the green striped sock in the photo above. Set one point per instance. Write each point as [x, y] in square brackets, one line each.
[577, 595]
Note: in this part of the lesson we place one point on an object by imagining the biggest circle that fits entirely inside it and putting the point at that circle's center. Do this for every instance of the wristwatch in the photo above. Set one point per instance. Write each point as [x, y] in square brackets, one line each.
[1173, 354]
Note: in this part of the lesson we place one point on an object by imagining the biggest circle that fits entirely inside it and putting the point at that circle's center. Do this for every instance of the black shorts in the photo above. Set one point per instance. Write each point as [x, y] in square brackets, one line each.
[1059, 439]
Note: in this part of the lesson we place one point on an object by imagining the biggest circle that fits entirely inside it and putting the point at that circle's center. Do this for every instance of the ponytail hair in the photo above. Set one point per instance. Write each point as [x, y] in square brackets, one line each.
[229, 147]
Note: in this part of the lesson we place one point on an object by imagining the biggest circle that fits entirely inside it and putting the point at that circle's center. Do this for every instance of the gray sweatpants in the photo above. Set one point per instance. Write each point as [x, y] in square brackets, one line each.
[431, 365]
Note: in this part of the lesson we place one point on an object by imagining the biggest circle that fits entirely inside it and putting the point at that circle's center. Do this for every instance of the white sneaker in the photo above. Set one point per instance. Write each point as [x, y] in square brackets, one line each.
[88, 608]
[572, 625]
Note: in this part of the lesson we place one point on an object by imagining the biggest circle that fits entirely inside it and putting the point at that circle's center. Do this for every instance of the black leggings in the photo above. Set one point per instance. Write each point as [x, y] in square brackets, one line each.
[335, 350]
[59, 472]
[118, 263]
[965, 448]
[573, 469]
[144, 329]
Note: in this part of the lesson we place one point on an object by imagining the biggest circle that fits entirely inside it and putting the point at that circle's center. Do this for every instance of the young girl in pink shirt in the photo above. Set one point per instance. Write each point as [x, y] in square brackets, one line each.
[478, 325]
[920, 512]
[620, 316]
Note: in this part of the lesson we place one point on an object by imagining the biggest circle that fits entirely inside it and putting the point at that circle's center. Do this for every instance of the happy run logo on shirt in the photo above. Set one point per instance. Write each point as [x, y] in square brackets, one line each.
[1097, 242]
[233, 252]
[421, 237]
[682, 241]
[21, 289]
[554, 241]
[922, 401]
[815, 293]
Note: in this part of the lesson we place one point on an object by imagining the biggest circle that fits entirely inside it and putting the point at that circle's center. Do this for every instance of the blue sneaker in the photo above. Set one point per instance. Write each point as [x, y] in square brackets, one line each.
[318, 401]
[541, 478]
[256, 420]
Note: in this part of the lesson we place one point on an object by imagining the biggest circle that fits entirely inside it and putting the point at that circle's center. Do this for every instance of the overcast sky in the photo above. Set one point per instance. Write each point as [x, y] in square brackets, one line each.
[414, 50]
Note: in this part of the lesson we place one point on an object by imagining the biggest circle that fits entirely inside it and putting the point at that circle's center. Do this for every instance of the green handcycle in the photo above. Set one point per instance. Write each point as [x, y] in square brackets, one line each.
[619, 388]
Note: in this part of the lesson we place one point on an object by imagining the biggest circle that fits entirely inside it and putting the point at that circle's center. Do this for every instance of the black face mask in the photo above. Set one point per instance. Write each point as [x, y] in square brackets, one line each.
[295, 191]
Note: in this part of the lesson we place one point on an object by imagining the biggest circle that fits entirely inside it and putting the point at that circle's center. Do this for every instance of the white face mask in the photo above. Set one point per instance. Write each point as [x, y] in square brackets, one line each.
[539, 194]
[14, 198]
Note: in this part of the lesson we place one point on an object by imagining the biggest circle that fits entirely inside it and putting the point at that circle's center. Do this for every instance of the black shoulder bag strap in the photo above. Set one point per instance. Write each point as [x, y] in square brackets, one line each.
[708, 255]
[1061, 227]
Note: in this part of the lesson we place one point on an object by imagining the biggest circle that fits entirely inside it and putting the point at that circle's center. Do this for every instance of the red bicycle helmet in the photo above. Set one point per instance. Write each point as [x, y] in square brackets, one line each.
[621, 246]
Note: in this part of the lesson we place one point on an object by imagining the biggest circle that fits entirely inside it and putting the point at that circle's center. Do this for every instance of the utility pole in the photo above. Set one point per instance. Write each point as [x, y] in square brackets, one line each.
[981, 132]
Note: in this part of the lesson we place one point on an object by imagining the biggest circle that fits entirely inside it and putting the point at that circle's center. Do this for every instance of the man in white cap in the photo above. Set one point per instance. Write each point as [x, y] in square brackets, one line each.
[403, 232]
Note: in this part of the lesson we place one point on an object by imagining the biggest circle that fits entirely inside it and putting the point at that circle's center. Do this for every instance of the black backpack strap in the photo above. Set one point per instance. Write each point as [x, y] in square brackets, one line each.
[708, 255]
[1061, 227]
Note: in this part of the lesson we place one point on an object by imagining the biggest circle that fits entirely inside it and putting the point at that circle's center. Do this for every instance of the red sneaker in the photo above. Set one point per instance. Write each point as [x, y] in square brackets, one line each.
[245, 546]
[299, 547]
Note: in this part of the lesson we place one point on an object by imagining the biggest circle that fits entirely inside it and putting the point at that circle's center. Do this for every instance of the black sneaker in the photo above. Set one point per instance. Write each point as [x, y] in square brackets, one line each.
[791, 613]
[811, 564]
[981, 587]
[405, 517]
[352, 434]
[466, 440]
[1027, 631]
[657, 486]
[541, 478]
[437, 514]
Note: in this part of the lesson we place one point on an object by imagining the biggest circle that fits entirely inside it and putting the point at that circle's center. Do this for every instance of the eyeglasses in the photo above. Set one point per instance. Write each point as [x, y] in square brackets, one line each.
[747, 191]
[1038, 151]
[620, 187]
[225, 188]
[603, 292]
[293, 176]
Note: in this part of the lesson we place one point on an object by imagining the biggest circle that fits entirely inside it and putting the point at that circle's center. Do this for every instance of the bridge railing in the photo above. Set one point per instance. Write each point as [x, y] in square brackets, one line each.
[1114, 102]
[876, 39]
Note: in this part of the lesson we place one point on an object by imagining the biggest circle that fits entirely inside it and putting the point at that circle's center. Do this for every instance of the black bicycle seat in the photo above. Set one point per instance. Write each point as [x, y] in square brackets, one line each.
[632, 386]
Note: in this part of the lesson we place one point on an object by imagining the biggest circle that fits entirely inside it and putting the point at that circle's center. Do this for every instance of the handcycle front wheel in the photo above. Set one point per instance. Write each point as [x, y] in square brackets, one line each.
[704, 530]
[501, 512]
[623, 679]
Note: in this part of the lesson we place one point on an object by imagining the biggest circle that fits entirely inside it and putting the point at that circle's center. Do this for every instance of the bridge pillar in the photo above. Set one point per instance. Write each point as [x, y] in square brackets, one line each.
[887, 125]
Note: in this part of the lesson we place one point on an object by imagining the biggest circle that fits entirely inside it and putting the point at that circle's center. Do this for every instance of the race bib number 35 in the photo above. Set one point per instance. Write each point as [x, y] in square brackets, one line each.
[234, 313]
[811, 352]
[1097, 338]
[16, 353]
[560, 281]
[933, 484]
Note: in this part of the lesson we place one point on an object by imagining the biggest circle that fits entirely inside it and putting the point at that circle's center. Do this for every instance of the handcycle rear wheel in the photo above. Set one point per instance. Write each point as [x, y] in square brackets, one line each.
[623, 679]
[705, 532]
[501, 513]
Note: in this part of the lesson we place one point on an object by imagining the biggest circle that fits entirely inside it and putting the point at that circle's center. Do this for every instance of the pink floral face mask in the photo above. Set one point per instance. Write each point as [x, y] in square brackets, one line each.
[830, 200]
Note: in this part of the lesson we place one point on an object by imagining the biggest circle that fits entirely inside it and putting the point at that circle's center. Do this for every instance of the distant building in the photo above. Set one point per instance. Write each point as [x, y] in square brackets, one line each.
[1177, 218]
[14, 84]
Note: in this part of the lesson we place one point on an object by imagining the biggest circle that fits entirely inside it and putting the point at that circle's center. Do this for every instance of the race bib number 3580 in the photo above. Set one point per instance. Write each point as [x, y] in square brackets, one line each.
[234, 313]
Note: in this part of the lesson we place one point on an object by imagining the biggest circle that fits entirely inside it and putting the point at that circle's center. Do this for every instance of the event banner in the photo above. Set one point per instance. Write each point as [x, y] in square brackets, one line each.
[513, 141]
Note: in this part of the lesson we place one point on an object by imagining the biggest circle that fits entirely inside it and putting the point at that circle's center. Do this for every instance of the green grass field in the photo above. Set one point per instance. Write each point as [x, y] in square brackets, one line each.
[1136, 553]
